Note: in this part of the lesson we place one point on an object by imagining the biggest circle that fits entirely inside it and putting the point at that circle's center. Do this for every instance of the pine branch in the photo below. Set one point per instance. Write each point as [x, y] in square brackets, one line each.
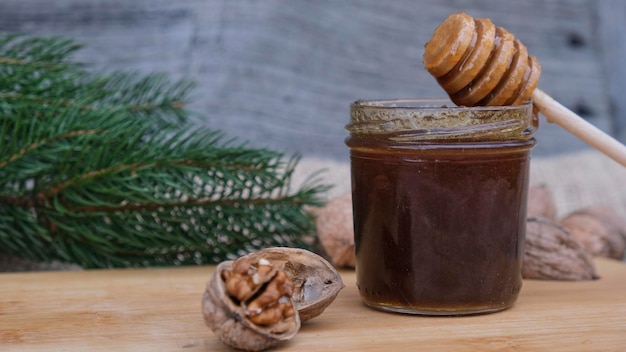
[107, 170]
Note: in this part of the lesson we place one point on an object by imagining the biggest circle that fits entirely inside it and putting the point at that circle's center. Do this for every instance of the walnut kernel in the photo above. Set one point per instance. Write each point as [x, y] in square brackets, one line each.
[248, 305]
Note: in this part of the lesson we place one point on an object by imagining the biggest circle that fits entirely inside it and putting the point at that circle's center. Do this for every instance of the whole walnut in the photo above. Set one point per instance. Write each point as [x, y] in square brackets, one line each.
[261, 299]
[335, 230]
[600, 230]
[552, 253]
[541, 202]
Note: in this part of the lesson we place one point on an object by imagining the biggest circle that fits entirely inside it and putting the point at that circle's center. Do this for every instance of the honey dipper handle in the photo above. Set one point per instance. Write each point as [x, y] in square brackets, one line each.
[588, 133]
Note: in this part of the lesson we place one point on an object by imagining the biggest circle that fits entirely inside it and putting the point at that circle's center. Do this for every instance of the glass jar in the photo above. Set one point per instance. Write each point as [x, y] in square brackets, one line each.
[439, 198]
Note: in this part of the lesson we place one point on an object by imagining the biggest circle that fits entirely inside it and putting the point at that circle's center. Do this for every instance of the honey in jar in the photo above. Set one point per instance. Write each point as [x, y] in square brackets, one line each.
[439, 201]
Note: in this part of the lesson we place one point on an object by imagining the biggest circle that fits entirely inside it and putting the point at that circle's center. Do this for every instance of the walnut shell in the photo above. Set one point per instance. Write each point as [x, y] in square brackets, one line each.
[541, 202]
[600, 230]
[335, 230]
[285, 279]
[316, 281]
[228, 319]
[552, 253]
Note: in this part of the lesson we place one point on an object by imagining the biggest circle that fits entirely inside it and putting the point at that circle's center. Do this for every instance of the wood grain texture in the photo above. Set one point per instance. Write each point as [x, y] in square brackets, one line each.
[281, 74]
[159, 310]
[612, 26]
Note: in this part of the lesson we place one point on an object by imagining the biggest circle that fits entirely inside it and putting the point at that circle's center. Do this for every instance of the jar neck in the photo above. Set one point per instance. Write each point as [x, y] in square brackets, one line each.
[418, 121]
[439, 146]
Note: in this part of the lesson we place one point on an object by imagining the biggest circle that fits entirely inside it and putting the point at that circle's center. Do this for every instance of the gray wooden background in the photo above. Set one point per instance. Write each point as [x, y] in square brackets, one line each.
[281, 73]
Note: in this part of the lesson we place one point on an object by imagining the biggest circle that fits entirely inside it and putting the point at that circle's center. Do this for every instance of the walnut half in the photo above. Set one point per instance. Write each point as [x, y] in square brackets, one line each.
[260, 299]
[248, 305]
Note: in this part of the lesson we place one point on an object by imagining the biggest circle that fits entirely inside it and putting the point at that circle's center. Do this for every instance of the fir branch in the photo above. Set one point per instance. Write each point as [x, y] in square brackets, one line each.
[51, 53]
[107, 170]
[39, 71]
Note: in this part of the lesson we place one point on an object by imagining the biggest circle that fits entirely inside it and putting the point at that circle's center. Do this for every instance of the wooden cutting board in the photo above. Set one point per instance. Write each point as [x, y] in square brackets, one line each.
[159, 310]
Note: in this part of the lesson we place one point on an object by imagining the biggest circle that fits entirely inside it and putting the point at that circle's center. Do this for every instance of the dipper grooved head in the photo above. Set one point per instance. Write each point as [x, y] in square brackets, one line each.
[480, 64]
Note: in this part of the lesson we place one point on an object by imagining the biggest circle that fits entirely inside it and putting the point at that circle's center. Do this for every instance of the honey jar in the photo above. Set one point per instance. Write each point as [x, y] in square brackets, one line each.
[439, 201]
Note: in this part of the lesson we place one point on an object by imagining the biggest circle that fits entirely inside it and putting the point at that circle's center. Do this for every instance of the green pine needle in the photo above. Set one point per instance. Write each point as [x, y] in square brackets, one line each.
[106, 170]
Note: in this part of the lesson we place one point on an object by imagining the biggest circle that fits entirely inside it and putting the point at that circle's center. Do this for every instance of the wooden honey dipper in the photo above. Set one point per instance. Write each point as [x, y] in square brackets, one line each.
[480, 64]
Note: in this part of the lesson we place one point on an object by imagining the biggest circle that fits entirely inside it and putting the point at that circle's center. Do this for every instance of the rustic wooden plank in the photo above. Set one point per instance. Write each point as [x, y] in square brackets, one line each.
[282, 73]
[159, 310]
[611, 28]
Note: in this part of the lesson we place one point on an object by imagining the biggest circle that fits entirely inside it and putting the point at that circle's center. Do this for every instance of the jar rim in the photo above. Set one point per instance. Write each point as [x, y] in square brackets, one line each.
[416, 119]
[428, 104]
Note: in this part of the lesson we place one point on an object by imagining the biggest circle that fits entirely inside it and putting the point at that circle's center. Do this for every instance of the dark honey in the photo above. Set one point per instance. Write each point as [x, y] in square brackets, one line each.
[439, 222]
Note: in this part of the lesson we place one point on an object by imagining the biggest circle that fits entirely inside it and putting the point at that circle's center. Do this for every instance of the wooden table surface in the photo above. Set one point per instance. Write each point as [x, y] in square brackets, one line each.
[159, 310]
